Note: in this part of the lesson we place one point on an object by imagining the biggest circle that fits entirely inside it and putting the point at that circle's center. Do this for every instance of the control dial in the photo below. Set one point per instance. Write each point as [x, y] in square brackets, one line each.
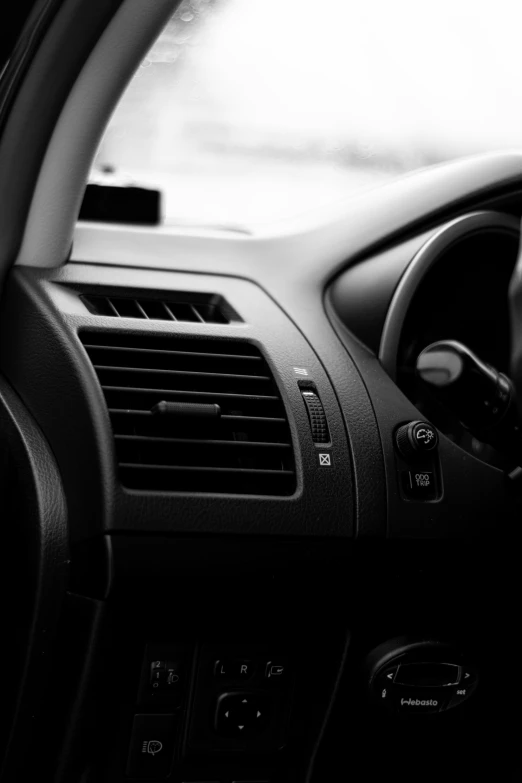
[416, 438]
[423, 677]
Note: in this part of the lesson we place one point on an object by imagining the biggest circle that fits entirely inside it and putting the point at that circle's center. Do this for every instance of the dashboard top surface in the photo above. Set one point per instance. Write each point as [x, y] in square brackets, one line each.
[309, 251]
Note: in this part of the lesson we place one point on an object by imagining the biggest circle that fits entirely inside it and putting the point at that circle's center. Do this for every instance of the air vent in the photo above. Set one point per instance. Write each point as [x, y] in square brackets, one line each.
[193, 415]
[189, 307]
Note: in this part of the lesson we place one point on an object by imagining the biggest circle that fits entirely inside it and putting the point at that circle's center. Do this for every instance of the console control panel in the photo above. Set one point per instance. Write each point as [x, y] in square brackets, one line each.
[197, 702]
[420, 695]
[241, 702]
[420, 678]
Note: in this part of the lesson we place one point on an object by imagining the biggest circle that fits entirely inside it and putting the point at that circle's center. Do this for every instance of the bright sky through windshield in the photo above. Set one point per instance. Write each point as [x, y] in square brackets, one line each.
[248, 111]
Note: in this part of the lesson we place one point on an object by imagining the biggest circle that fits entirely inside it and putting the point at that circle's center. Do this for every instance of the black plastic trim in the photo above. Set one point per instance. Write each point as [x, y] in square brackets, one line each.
[39, 517]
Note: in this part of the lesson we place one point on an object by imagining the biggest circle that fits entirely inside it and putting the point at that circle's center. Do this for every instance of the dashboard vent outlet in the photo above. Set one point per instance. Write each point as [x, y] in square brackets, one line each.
[193, 308]
[192, 415]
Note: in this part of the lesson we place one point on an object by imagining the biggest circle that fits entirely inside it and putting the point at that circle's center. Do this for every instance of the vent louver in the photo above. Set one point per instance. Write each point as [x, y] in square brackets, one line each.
[187, 307]
[193, 415]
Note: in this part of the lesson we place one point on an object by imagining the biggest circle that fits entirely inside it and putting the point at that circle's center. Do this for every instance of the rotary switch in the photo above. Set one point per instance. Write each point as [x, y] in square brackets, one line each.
[416, 438]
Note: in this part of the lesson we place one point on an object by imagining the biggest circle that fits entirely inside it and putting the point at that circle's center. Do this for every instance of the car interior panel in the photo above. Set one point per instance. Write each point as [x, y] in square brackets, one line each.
[260, 487]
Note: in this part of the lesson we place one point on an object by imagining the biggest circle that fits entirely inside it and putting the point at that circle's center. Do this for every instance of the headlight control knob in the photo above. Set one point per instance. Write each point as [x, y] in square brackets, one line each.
[416, 438]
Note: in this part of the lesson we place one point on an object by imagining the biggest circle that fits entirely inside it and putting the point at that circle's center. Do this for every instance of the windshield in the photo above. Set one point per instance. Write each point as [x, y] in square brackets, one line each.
[248, 111]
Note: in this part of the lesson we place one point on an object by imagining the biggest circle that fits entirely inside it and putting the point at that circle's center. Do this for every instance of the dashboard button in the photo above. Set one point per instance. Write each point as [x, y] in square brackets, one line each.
[165, 676]
[419, 484]
[461, 693]
[232, 669]
[152, 746]
[173, 674]
[468, 676]
[242, 714]
[276, 671]
[383, 689]
[383, 685]
[389, 673]
[166, 680]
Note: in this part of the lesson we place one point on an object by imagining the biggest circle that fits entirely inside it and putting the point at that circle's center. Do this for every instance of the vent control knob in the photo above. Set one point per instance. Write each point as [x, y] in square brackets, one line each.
[416, 438]
[317, 417]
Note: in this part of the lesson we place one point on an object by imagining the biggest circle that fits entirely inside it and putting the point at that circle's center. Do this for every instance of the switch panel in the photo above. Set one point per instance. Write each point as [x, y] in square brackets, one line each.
[418, 465]
[165, 676]
[242, 700]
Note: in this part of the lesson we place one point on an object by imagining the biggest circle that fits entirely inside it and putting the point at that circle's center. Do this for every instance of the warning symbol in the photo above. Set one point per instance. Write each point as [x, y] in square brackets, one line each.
[325, 460]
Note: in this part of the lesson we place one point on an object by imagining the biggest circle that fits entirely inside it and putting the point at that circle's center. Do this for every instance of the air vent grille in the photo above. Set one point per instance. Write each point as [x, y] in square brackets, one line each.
[188, 307]
[193, 415]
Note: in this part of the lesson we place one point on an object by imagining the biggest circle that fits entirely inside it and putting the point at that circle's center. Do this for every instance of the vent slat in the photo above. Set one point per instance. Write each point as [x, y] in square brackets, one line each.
[184, 468]
[238, 419]
[186, 381]
[198, 315]
[169, 312]
[111, 309]
[245, 449]
[183, 306]
[206, 395]
[252, 419]
[163, 352]
[141, 310]
[187, 373]
[203, 442]
[126, 308]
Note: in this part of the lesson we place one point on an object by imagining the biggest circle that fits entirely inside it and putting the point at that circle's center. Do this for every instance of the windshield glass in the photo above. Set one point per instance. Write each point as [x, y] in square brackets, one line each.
[248, 111]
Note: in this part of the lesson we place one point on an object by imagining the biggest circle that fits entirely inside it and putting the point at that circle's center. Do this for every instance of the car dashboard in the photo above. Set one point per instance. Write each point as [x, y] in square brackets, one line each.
[256, 582]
